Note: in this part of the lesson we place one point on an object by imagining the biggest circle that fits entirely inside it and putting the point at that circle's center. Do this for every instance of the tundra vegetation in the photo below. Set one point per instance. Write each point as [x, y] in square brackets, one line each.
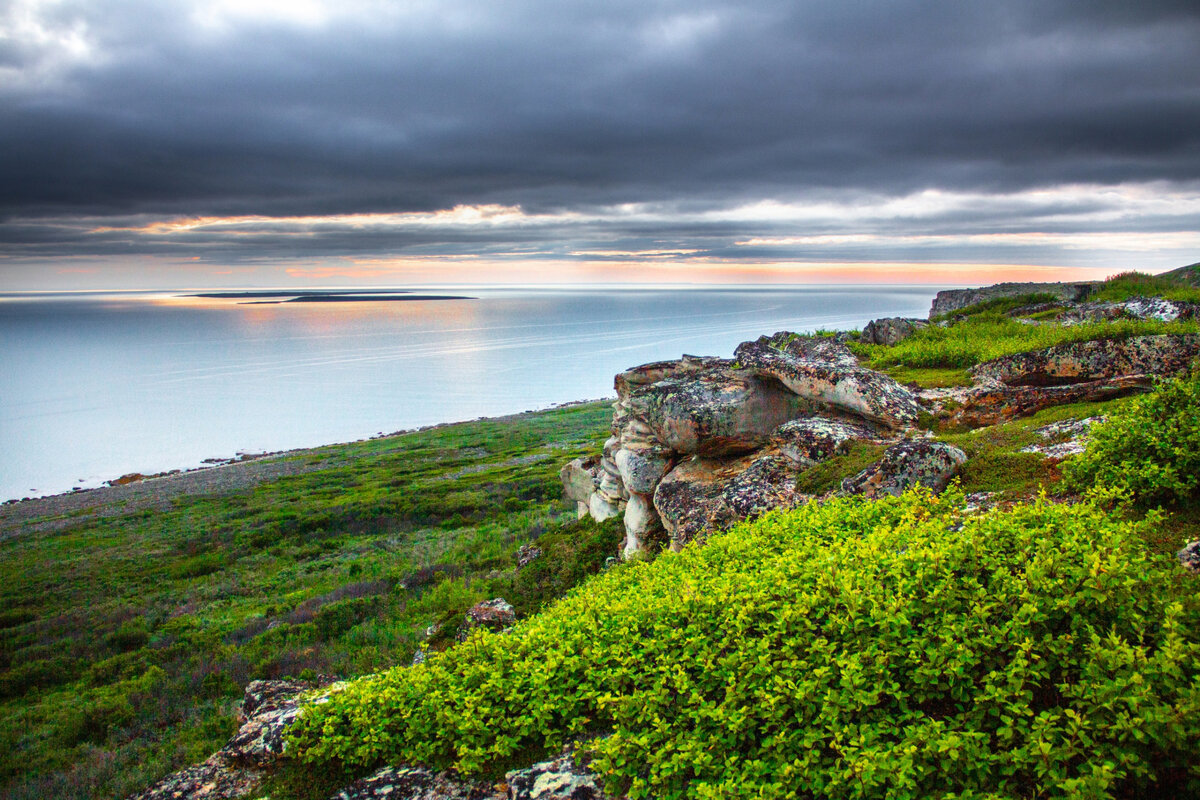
[894, 648]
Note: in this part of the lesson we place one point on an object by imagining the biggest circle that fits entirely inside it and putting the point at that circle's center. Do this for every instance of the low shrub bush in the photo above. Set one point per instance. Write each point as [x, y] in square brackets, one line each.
[1149, 450]
[853, 649]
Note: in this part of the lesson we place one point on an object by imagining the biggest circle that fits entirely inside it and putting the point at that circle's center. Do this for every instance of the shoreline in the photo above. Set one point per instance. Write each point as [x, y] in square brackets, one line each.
[156, 492]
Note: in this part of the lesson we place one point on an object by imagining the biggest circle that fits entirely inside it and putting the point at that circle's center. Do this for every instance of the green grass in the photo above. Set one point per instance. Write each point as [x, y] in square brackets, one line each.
[999, 305]
[1138, 284]
[125, 641]
[988, 335]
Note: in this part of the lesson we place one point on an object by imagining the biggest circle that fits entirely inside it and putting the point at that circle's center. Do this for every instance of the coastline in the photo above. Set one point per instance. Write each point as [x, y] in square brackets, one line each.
[157, 492]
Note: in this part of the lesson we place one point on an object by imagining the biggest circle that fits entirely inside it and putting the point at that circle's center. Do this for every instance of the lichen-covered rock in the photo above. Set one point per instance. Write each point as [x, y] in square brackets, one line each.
[828, 349]
[641, 522]
[560, 779]
[1158, 308]
[417, 783]
[811, 440]
[268, 710]
[1063, 439]
[954, 299]
[214, 779]
[601, 508]
[857, 390]
[991, 405]
[580, 479]
[905, 465]
[493, 615]
[700, 496]
[1076, 362]
[1189, 557]
[890, 331]
[717, 411]
[642, 467]
[527, 553]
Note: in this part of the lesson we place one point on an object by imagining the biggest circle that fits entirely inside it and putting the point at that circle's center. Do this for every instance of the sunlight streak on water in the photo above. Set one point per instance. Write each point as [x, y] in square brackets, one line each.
[97, 385]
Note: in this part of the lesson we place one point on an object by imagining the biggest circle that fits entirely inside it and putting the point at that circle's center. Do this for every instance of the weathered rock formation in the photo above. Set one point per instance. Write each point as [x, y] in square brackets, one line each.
[1157, 308]
[268, 709]
[890, 331]
[954, 299]
[907, 464]
[1077, 362]
[700, 443]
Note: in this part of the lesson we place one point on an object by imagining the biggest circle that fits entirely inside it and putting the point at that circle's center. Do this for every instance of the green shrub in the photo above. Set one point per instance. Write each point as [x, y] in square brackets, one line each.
[853, 649]
[570, 553]
[1149, 450]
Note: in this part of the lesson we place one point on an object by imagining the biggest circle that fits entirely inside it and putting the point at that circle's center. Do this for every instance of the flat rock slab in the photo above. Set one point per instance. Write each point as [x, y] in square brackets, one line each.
[995, 404]
[1077, 362]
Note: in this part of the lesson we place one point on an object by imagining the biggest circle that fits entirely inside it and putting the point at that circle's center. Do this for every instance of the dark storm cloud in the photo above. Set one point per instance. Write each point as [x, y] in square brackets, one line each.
[155, 108]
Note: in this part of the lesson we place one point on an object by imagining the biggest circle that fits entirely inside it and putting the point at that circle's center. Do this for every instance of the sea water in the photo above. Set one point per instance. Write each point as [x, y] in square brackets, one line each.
[96, 385]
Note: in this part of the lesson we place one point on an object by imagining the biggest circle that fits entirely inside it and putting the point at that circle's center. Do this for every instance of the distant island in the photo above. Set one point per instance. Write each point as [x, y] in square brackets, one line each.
[270, 297]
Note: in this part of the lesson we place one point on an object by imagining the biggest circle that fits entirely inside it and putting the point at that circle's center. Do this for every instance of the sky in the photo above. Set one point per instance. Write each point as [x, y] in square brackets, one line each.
[172, 143]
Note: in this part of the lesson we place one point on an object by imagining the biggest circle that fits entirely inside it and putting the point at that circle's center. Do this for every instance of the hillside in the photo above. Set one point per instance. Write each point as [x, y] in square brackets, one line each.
[836, 647]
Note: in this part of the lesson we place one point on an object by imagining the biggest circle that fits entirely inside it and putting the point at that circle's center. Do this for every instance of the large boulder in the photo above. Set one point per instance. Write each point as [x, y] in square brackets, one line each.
[641, 523]
[641, 467]
[829, 349]
[700, 495]
[890, 331]
[811, 440]
[580, 479]
[1189, 557]
[905, 465]
[716, 412]
[493, 615]
[1076, 362]
[857, 390]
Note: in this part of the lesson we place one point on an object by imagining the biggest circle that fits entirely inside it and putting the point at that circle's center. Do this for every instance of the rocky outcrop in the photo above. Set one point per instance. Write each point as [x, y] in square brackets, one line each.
[1063, 439]
[581, 479]
[1156, 308]
[954, 299]
[268, 709]
[417, 783]
[851, 389]
[702, 495]
[996, 403]
[1076, 362]
[493, 615]
[905, 465]
[560, 779]
[890, 331]
[702, 442]
[1189, 557]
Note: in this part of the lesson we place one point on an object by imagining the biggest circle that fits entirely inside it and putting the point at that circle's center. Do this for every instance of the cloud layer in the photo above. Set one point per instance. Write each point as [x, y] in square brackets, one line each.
[722, 130]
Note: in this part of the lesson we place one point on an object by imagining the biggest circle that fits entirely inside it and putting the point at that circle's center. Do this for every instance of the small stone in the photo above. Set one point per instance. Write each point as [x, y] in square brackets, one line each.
[1189, 557]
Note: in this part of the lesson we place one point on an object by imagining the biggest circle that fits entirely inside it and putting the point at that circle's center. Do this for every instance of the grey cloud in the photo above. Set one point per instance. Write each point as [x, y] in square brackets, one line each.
[556, 106]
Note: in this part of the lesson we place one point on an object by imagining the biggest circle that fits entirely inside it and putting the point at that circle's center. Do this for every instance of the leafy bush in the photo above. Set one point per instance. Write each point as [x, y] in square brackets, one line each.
[848, 650]
[1149, 450]
[569, 554]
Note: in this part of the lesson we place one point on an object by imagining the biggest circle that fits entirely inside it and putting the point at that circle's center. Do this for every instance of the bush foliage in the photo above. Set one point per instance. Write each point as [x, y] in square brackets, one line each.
[848, 650]
[1148, 450]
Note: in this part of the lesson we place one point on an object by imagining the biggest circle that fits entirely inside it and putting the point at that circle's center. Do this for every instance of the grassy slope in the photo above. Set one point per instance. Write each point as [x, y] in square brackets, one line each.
[124, 642]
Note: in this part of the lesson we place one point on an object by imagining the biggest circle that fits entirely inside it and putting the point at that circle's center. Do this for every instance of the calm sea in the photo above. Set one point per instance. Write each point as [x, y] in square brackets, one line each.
[93, 386]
